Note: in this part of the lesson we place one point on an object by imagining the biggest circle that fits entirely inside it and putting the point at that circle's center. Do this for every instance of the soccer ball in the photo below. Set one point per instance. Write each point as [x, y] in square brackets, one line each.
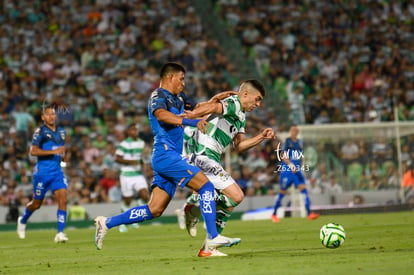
[332, 235]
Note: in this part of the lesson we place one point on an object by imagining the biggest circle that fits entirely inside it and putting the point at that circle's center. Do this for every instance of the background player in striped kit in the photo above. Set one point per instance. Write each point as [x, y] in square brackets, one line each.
[226, 125]
[133, 182]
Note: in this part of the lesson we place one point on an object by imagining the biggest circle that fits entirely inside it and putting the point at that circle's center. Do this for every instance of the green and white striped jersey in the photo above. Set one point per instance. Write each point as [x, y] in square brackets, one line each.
[221, 130]
[130, 149]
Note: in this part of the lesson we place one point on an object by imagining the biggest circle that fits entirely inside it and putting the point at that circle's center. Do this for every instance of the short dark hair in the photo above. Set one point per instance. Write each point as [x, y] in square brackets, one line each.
[171, 67]
[257, 85]
[131, 125]
[49, 106]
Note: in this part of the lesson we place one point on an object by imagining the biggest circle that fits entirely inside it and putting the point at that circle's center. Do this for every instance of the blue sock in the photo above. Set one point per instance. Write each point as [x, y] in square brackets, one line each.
[208, 208]
[279, 198]
[26, 215]
[306, 200]
[132, 215]
[61, 218]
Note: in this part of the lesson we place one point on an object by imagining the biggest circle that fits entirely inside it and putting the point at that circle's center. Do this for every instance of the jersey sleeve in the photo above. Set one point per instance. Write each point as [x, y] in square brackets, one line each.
[157, 101]
[37, 137]
[230, 106]
[232, 110]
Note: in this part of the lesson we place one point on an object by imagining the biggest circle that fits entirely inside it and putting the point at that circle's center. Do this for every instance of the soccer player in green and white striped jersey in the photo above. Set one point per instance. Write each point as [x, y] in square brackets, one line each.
[133, 182]
[227, 121]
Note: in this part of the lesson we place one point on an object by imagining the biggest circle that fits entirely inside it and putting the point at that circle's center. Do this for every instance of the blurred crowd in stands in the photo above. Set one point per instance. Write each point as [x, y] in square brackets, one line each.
[98, 61]
[331, 61]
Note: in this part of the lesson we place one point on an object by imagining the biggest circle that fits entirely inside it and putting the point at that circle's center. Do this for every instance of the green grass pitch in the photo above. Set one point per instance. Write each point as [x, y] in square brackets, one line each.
[375, 244]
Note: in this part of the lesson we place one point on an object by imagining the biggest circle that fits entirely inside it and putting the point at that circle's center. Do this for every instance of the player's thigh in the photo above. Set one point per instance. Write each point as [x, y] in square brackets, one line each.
[58, 182]
[214, 172]
[164, 184]
[41, 184]
[176, 169]
[285, 180]
[234, 192]
[220, 178]
[299, 179]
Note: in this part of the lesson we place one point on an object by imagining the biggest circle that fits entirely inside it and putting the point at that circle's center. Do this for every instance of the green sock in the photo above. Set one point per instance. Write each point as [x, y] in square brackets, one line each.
[225, 202]
[222, 216]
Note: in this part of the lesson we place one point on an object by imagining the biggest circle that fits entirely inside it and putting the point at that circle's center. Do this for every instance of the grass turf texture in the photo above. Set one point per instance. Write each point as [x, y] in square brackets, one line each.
[375, 244]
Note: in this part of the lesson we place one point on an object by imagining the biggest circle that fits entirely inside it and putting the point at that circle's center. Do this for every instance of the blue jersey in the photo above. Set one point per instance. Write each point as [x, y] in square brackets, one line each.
[166, 134]
[293, 150]
[47, 139]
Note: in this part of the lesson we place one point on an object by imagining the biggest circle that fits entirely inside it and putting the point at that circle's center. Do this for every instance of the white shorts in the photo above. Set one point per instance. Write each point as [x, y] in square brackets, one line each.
[214, 172]
[131, 185]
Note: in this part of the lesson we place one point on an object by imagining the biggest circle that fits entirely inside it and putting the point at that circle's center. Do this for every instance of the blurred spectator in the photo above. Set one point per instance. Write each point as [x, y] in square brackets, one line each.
[322, 62]
[349, 153]
[313, 187]
[24, 122]
[381, 150]
[333, 187]
[408, 181]
[77, 212]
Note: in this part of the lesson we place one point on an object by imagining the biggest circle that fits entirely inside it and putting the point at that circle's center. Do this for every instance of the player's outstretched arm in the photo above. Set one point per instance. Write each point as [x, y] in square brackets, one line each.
[204, 109]
[220, 96]
[242, 144]
[217, 98]
[170, 118]
[36, 151]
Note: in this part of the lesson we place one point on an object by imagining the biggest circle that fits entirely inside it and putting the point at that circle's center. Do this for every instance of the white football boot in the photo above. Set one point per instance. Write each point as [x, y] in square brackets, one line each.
[100, 231]
[61, 238]
[21, 229]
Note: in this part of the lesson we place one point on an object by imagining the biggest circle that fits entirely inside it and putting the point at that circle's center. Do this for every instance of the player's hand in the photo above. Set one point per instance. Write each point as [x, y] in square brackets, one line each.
[268, 133]
[202, 125]
[60, 151]
[189, 114]
[222, 95]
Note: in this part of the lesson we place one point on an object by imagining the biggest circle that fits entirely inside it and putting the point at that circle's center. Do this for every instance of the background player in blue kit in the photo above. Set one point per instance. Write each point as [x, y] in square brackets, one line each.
[165, 110]
[48, 146]
[291, 172]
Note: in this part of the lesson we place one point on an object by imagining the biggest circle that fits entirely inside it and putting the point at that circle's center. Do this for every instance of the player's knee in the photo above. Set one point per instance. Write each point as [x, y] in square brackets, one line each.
[36, 204]
[301, 187]
[238, 198]
[63, 201]
[156, 211]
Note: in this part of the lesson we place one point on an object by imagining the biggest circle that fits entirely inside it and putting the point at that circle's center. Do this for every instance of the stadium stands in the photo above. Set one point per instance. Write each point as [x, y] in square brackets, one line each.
[98, 61]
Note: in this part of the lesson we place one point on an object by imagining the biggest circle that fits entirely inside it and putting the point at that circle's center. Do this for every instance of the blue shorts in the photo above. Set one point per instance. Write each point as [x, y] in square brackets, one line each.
[42, 183]
[171, 170]
[288, 177]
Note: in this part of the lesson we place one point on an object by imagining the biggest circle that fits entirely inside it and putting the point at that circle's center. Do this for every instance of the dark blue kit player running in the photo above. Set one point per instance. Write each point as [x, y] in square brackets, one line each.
[291, 173]
[166, 114]
[48, 145]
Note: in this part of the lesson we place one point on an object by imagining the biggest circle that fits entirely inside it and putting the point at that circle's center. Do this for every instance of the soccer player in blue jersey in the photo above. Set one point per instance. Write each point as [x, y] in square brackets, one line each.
[291, 172]
[48, 145]
[165, 110]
